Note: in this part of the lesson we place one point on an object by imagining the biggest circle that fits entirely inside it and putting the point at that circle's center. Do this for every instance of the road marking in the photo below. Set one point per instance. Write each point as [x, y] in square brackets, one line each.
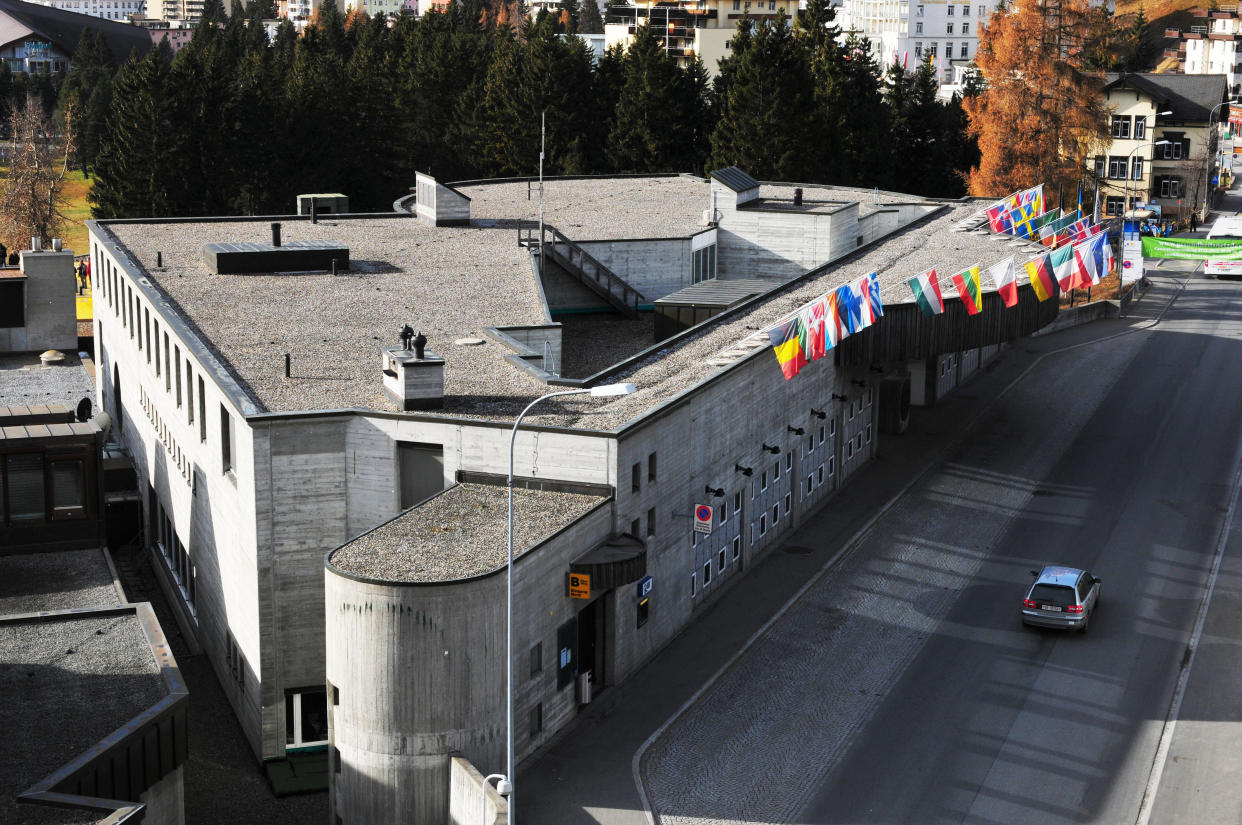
[1188, 660]
[856, 540]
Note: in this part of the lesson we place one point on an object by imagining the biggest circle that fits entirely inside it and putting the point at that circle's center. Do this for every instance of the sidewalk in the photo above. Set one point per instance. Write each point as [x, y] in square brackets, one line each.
[586, 775]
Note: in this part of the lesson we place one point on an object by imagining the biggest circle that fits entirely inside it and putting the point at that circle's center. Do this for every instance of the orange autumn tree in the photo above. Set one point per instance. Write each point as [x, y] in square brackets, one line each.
[1040, 116]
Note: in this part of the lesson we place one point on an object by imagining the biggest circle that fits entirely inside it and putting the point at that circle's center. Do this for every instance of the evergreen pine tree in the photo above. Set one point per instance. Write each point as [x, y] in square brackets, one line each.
[589, 19]
[651, 131]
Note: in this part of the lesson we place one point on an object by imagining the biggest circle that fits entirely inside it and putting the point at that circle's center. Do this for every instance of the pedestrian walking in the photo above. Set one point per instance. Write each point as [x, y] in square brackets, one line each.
[1194, 222]
[80, 274]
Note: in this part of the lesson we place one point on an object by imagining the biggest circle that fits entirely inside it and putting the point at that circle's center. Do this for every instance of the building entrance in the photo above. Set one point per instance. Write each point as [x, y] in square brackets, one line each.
[595, 641]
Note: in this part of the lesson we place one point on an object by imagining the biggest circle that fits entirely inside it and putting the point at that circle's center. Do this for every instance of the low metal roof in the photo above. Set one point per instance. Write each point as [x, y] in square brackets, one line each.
[735, 179]
[718, 292]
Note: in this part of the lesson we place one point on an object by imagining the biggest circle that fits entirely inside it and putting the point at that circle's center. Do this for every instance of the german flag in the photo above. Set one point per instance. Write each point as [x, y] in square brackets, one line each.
[1039, 270]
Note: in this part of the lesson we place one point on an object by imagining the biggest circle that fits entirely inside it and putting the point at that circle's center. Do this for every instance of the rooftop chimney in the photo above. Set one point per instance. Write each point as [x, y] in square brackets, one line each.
[798, 196]
[413, 377]
[275, 234]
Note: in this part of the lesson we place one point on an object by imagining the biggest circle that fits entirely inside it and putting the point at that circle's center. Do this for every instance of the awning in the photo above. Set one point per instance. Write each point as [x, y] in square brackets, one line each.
[619, 560]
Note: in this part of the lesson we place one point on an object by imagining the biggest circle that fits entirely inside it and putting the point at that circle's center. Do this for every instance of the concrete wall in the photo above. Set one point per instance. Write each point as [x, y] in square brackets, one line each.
[653, 267]
[755, 243]
[165, 800]
[51, 306]
[212, 511]
[473, 801]
[419, 671]
[438, 205]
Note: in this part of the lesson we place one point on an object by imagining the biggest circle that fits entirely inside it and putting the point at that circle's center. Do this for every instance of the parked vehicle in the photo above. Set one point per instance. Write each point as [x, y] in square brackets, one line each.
[1061, 597]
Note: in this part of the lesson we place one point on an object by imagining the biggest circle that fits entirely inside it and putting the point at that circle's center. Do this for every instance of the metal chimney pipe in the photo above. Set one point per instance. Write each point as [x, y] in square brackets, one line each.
[36, 244]
[314, 210]
[275, 234]
[56, 245]
[159, 259]
[286, 365]
[798, 196]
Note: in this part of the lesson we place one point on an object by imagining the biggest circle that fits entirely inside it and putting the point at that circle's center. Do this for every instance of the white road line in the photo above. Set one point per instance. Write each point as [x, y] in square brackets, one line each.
[856, 539]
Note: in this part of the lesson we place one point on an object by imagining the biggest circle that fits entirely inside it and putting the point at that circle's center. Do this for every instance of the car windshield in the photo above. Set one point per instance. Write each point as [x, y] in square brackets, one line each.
[1058, 594]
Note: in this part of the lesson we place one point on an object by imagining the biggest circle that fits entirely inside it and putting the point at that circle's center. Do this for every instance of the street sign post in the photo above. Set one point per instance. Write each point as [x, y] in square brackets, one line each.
[702, 518]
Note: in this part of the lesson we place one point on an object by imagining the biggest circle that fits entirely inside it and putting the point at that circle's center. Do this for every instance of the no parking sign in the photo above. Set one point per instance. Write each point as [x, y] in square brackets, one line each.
[702, 518]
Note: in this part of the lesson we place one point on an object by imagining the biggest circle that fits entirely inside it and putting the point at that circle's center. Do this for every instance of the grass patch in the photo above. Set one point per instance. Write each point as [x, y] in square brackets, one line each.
[78, 211]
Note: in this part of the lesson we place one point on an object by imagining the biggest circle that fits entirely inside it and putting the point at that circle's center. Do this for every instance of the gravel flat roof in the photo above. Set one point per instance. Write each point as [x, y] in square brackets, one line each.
[448, 282]
[460, 533]
[33, 582]
[24, 381]
[451, 283]
[591, 209]
[75, 679]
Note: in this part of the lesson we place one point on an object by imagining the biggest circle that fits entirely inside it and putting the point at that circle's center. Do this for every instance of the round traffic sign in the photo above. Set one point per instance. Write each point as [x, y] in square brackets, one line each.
[703, 513]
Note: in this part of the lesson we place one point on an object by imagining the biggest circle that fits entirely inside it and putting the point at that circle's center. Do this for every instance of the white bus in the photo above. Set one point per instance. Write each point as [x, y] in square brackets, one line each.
[1226, 227]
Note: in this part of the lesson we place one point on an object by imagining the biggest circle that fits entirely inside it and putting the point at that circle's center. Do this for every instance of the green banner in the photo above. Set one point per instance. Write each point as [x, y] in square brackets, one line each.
[1193, 249]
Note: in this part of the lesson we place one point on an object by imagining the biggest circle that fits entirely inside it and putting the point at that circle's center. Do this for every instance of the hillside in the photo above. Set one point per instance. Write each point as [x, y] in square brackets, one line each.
[1163, 14]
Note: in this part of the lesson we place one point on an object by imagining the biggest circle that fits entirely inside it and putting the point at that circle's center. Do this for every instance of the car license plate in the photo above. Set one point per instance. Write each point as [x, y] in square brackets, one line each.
[1051, 607]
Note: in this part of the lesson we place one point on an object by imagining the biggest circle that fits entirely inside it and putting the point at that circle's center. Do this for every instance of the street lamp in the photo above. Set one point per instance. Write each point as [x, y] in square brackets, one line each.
[506, 783]
[1207, 154]
[1126, 191]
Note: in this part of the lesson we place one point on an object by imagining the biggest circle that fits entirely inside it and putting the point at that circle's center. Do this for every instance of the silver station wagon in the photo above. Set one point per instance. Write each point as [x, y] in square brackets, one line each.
[1061, 597]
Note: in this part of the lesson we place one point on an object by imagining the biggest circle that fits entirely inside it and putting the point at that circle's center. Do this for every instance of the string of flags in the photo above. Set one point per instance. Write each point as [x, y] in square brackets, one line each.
[1079, 256]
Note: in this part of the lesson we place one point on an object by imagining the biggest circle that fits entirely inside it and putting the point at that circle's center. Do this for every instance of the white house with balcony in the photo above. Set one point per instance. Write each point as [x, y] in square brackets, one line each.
[906, 32]
[1214, 46]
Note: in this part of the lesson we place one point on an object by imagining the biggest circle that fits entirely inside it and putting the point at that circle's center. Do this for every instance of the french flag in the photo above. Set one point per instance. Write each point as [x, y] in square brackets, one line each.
[1089, 260]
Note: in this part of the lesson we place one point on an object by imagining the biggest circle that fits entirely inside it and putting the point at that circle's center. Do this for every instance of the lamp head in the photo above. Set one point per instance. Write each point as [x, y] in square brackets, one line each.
[612, 389]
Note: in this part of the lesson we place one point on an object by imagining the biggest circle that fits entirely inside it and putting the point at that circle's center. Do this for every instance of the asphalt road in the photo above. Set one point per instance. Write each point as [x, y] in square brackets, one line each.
[1117, 456]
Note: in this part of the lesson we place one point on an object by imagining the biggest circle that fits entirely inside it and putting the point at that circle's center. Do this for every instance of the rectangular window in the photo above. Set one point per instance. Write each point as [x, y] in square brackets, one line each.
[236, 662]
[788, 462]
[1136, 168]
[167, 365]
[1140, 128]
[918, 47]
[965, 11]
[720, 561]
[635, 528]
[693, 584]
[26, 488]
[1114, 206]
[763, 524]
[651, 467]
[918, 11]
[651, 522]
[202, 411]
[146, 313]
[776, 514]
[1121, 127]
[535, 722]
[983, 11]
[948, 30]
[965, 52]
[189, 392]
[226, 441]
[788, 501]
[636, 476]
[737, 5]
[536, 659]
[949, 11]
[1101, 166]
[723, 512]
[776, 470]
[737, 502]
[306, 717]
[737, 547]
[68, 489]
[933, 48]
[707, 572]
[12, 304]
[918, 27]
[177, 361]
[157, 347]
[1171, 151]
[642, 612]
[1117, 168]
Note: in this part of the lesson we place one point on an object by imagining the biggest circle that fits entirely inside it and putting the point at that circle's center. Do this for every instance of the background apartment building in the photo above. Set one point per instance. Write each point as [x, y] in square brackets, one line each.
[1148, 109]
[906, 32]
[689, 28]
[1213, 45]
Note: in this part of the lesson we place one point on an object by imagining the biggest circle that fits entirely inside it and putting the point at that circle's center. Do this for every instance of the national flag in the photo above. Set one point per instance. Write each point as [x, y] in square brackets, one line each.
[1040, 221]
[926, 289]
[1033, 197]
[967, 283]
[833, 324]
[1062, 260]
[861, 289]
[849, 309]
[1110, 263]
[1020, 220]
[787, 344]
[1076, 231]
[877, 305]
[998, 217]
[1006, 280]
[814, 337]
[1039, 270]
[1089, 260]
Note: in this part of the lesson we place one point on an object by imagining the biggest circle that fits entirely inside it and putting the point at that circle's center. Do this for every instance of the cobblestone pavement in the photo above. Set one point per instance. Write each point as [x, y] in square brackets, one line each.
[757, 743]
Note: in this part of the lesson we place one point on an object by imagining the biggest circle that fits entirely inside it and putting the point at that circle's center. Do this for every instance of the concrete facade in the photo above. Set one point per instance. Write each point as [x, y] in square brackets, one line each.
[47, 290]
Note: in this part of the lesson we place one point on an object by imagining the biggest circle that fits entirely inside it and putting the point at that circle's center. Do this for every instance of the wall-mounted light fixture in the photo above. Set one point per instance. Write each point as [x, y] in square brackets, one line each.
[770, 449]
[718, 492]
[836, 396]
[820, 414]
[746, 471]
[795, 430]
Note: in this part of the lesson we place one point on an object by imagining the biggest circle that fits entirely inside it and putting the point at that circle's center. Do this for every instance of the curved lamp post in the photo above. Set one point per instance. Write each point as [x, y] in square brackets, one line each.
[1207, 155]
[1155, 143]
[506, 783]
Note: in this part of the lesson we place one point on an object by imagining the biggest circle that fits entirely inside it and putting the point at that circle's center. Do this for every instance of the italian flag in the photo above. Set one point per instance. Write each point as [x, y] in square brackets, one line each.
[1006, 280]
[1039, 270]
[926, 289]
[1062, 260]
[967, 282]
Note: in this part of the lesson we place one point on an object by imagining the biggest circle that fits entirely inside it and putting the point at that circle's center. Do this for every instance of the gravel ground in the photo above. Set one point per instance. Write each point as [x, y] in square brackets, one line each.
[78, 680]
[405, 267]
[600, 208]
[62, 580]
[460, 533]
[590, 343]
[446, 282]
[23, 381]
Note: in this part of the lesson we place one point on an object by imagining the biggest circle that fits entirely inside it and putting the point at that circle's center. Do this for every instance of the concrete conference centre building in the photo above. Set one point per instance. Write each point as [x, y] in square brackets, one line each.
[277, 416]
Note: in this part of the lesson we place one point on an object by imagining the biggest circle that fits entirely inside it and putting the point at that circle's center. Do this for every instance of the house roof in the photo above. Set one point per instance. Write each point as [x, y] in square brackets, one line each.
[63, 29]
[1189, 96]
